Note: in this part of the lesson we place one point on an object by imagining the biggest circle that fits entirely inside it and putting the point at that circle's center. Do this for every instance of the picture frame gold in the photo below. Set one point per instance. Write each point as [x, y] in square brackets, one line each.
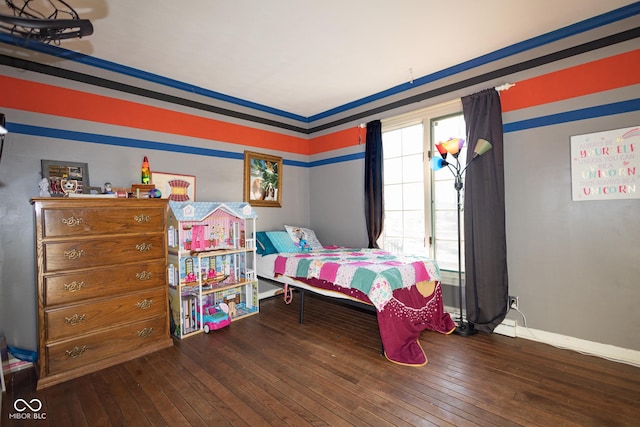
[66, 177]
[262, 179]
[173, 186]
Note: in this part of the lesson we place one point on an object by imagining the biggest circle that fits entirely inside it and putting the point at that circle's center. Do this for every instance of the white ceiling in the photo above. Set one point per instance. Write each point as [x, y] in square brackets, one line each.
[306, 57]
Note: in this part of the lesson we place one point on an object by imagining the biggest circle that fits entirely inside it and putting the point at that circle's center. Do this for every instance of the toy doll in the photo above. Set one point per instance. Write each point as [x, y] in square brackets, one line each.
[44, 187]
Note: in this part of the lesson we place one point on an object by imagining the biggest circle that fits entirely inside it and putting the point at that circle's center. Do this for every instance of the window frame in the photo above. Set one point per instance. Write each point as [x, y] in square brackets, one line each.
[427, 116]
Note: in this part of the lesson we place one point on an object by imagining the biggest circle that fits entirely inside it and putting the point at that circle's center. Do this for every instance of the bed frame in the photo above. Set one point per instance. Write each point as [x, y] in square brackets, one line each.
[335, 298]
[329, 295]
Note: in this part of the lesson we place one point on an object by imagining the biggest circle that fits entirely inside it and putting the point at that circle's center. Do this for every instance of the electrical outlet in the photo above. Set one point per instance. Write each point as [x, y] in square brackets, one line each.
[513, 302]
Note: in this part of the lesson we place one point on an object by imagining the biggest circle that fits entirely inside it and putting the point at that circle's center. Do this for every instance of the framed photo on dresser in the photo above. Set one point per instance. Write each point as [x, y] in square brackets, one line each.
[66, 177]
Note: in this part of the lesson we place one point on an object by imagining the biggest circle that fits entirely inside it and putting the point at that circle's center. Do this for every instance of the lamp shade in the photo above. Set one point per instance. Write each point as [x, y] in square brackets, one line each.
[437, 163]
[453, 146]
[441, 150]
[482, 146]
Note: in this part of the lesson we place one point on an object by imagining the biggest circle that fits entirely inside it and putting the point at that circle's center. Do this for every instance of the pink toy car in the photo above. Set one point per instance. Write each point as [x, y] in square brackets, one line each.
[214, 318]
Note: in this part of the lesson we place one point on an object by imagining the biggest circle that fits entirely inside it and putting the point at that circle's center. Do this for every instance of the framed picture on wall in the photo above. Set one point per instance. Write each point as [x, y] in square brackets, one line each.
[66, 177]
[177, 187]
[262, 179]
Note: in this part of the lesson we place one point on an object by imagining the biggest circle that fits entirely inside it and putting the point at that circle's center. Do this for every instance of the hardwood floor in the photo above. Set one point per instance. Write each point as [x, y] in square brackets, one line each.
[270, 370]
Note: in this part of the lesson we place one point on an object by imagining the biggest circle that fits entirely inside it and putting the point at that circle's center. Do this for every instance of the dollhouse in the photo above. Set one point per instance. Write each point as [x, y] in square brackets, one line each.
[211, 263]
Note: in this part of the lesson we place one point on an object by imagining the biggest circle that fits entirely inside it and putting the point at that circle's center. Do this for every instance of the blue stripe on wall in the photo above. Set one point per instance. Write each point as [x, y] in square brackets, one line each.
[572, 116]
[339, 159]
[119, 141]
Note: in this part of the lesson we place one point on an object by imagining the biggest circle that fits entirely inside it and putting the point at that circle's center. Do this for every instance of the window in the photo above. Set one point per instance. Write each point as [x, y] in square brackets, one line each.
[404, 195]
[420, 205]
[444, 203]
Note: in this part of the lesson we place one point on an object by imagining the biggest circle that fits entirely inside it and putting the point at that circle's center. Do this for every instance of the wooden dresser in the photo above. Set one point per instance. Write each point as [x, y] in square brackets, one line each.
[102, 283]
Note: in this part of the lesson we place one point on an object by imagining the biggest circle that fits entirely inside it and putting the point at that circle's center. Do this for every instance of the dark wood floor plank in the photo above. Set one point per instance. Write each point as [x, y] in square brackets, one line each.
[440, 409]
[258, 371]
[269, 369]
[56, 402]
[117, 407]
[72, 396]
[331, 368]
[146, 405]
[232, 374]
[235, 410]
[156, 388]
[195, 404]
[293, 383]
[90, 402]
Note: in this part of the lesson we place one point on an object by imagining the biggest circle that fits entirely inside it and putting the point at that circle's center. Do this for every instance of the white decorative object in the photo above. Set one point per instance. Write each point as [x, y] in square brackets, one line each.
[606, 165]
[44, 187]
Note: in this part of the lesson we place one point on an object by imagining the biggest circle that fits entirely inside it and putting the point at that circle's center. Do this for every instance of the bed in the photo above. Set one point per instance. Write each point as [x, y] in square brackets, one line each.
[404, 291]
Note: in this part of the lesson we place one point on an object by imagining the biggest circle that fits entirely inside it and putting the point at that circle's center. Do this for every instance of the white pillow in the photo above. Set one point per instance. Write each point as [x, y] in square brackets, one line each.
[308, 234]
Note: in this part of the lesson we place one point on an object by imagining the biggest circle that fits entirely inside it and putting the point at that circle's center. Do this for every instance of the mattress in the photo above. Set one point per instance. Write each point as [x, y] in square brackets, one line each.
[266, 270]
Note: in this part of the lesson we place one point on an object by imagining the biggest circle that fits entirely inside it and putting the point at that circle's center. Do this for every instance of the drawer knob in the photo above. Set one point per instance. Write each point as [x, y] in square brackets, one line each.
[76, 319]
[145, 332]
[75, 352]
[144, 247]
[144, 304]
[74, 253]
[72, 221]
[143, 275]
[142, 218]
[73, 286]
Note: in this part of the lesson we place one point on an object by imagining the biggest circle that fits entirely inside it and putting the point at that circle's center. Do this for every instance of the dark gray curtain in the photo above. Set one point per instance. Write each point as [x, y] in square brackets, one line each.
[373, 183]
[486, 281]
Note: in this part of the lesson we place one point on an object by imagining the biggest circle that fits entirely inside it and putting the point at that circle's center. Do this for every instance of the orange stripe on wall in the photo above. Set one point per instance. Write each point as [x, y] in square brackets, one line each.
[35, 97]
[597, 76]
[334, 141]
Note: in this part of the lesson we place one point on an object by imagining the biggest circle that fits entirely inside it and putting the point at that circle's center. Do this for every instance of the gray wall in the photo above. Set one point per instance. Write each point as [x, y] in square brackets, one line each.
[217, 179]
[337, 203]
[574, 265]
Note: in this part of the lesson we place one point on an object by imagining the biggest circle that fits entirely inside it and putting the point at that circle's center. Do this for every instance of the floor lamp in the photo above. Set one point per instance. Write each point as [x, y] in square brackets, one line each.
[452, 147]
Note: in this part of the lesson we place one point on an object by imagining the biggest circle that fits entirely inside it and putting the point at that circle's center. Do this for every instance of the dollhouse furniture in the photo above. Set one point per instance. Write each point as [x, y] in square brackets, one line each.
[212, 258]
[101, 277]
[214, 318]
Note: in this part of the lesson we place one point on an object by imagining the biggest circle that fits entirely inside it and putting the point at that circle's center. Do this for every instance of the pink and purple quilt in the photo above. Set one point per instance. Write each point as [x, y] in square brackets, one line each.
[405, 291]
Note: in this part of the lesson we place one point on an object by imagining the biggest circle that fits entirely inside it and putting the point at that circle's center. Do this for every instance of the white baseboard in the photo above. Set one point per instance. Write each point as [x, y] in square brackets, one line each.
[507, 327]
[511, 328]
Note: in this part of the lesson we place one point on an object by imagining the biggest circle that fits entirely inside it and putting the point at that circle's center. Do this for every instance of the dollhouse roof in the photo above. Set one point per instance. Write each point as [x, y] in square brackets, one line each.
[198, 211]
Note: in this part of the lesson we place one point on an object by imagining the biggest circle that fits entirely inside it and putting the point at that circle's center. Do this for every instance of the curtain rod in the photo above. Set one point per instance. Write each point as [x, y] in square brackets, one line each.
[505, 86]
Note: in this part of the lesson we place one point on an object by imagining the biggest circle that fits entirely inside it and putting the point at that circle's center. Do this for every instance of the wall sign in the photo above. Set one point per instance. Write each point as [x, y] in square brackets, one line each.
[606, 165]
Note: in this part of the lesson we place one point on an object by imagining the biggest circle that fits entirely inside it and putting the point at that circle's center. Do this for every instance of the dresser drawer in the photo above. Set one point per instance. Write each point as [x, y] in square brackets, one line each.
[85, 221]
[93, 348]
[85, 318]
[100, 282]
[76, 254]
